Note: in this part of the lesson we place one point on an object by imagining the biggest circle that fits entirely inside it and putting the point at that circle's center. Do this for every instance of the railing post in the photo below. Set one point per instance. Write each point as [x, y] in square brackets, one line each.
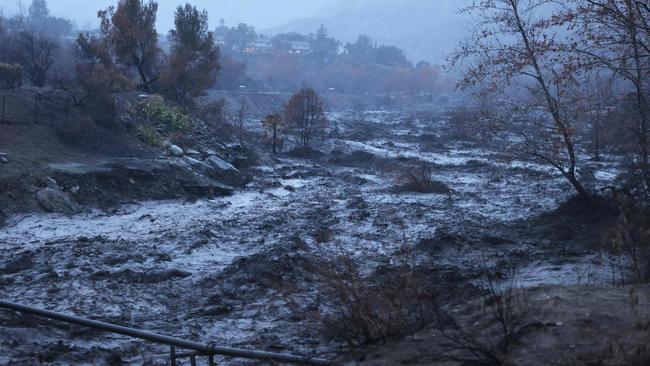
[36, 109]
[172, 355]
[211, 360]
[193, 360]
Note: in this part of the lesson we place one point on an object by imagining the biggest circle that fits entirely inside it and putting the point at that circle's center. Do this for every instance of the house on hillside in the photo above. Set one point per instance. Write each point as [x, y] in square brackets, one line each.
[261, 45]
[299, 47]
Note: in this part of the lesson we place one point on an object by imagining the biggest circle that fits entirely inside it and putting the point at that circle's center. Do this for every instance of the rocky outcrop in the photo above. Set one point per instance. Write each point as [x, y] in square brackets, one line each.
[201, 167]
[222, 165]
[55, 200]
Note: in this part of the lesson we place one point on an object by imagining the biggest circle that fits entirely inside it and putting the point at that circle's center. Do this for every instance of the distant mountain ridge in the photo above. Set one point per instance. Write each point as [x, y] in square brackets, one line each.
[425, 29]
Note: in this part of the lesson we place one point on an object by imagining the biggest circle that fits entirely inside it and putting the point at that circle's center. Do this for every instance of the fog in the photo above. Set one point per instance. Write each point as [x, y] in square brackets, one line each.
[426, 30]
[326, 182]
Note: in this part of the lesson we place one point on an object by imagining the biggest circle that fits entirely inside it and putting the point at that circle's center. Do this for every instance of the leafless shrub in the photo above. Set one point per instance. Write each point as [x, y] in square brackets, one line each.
[464, 124]
[622, 351]
[71, 88]
[419, 180]
[78, 131]
[215, 115]
[640, 355]
[391, 304]
[485, 339]
[631, 234]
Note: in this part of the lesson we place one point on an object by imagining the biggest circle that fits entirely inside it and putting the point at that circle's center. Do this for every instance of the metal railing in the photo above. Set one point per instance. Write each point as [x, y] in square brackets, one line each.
[198, 348]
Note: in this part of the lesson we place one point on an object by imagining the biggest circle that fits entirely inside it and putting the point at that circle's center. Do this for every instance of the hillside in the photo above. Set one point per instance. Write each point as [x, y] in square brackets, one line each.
[429, 34]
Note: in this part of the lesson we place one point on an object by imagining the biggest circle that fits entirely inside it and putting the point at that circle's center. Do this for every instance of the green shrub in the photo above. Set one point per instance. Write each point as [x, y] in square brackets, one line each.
[149, 135]
[155, 107]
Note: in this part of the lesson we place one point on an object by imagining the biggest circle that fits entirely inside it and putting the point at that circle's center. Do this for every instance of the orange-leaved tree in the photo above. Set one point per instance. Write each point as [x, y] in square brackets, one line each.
[304, 113]
[130, 30]
[273, 125]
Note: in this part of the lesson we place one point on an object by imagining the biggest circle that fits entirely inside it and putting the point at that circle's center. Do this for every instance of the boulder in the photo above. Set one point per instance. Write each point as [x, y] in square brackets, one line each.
[201, 167]
[176, 150]
[4, 158]
[53, 200]
[222, 165]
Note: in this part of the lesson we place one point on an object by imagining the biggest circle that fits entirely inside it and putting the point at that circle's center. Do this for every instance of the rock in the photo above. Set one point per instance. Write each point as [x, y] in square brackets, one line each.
[4, 160]
[222, 165]
[53, 200]
[52, 183]
[74, 190]
[192, 152]
[235, 146]
[201, 167]
[193, 162]
[176, 150]
[293, 174]
[208, 190]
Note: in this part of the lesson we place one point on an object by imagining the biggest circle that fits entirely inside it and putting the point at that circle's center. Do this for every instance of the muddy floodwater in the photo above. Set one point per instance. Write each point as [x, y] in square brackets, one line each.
[224, 270]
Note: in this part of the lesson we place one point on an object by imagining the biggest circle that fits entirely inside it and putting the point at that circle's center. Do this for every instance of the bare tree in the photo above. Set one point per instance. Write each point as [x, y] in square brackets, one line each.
[36, 55]
[273, 124]
[304, 113]
[513, 47]
[240, 118]
[614, 36]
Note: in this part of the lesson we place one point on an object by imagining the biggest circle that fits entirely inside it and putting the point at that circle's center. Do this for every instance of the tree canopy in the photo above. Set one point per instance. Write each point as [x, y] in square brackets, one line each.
[130, 29]
[194, 59]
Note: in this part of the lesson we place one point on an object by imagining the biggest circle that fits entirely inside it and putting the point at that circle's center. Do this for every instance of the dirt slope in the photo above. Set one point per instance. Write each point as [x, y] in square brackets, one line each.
[564, 326]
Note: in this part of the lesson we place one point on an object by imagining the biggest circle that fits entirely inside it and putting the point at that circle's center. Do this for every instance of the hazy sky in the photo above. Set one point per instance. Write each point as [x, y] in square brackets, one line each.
[260, 13]
[263, 14]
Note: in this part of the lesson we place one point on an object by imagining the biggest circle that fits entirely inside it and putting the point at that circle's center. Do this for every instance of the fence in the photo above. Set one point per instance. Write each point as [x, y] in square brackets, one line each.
[21, 108]
[198, 349]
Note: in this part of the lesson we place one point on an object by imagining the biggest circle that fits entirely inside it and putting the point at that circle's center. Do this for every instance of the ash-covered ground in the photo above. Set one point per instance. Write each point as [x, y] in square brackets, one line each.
[241, 270]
